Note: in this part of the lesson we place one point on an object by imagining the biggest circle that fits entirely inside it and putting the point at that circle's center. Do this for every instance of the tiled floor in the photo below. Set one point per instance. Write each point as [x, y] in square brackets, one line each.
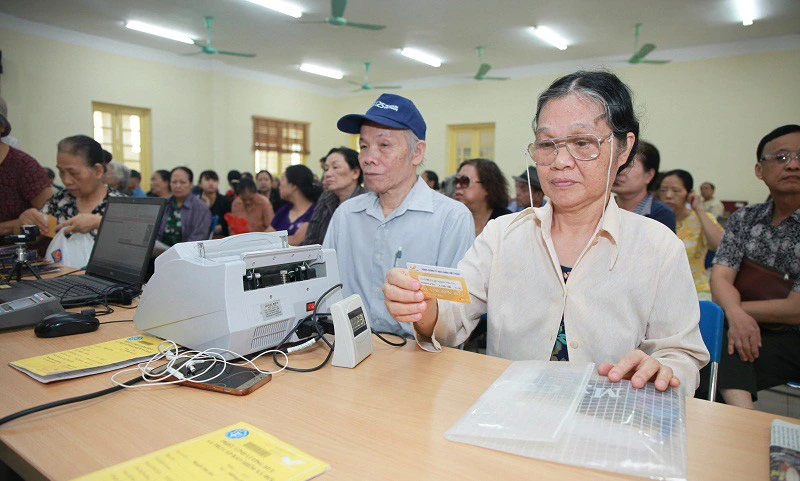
[782, 400]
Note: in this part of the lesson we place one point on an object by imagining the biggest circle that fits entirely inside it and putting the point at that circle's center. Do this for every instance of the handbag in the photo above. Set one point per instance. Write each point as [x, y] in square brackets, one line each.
[757, 282]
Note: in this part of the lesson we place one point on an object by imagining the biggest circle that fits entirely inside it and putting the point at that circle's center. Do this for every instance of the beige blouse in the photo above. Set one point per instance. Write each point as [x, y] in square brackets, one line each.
[630, 289]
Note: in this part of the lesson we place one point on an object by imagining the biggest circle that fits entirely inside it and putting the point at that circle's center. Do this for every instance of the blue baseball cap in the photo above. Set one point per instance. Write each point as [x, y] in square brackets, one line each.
[391, 111]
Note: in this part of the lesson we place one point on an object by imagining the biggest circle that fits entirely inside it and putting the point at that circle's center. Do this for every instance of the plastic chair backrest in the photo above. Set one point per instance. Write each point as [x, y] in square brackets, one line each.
[711, 321]
[214, 222]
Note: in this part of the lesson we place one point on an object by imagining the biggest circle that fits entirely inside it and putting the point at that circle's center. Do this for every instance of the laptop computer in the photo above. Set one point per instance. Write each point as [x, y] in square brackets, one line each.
[120, 256]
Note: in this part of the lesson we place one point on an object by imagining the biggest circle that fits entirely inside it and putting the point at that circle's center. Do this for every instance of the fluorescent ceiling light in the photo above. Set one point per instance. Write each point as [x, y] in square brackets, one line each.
[550, 37]
[421, 57]
[747, 11]
[159, 31]
[279, 6]
[325, 72]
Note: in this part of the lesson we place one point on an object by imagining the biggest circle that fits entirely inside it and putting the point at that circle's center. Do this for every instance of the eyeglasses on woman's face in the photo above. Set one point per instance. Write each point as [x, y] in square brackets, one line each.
[580, 147]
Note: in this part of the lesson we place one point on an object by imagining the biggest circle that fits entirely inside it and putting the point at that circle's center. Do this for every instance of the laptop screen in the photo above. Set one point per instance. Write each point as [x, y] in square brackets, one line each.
[125, 239]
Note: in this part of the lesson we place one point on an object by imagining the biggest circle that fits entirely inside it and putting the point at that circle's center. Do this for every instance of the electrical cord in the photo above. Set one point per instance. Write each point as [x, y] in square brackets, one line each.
[127, 308]
[170, 372]
[71, 400]
[101, 296]
[314, 318]
[403, 340]
[70, 273]
[112, 322]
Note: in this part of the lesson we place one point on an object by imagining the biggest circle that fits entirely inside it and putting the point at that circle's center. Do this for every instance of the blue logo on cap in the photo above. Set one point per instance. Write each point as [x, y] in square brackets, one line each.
[237, 434]
[389, 110]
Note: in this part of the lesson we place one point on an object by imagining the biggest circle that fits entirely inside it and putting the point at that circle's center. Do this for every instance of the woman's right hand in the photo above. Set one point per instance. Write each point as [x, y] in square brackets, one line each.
[696, 202]
[406, 303]
[34, 217]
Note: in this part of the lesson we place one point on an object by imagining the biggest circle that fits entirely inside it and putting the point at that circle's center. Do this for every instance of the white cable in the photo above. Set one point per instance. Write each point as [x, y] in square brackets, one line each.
[169, 350]
[607, 194]
[528, 174]
[302, 346]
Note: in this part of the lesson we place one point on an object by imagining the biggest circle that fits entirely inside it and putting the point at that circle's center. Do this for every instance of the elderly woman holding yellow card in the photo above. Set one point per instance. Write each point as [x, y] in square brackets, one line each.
[579, 279]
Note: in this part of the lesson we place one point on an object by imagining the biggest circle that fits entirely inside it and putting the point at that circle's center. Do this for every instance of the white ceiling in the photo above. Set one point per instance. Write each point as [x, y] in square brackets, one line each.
[450, 29]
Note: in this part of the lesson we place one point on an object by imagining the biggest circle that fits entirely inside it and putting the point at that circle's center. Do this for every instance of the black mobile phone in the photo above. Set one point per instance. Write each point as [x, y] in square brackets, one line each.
[221, 377]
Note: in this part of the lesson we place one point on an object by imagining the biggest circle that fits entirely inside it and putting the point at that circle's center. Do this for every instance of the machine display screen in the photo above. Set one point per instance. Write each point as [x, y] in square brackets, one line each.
[357, 321]
[20, 303]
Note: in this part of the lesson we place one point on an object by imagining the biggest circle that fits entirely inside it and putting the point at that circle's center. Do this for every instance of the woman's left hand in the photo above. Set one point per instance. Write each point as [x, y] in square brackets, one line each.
[81, 223]
[640, 369]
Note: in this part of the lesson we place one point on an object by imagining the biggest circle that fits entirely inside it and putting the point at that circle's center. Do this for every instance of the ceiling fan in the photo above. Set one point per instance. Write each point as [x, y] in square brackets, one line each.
[640, 53]
[205, 45]
[337, 18]
[367, 86]
[484, 68]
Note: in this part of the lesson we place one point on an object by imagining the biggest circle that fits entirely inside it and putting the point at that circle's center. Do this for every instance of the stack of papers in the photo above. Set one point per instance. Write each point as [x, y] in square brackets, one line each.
[784, 451]
[87, 360]
[241, 451]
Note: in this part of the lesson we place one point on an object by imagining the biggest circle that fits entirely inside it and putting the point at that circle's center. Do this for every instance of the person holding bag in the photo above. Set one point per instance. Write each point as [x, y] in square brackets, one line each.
[756, 278]
[78, 209]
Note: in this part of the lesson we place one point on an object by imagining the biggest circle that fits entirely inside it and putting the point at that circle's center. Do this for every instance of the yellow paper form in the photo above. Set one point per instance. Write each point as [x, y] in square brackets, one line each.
[241, 452]
[92, 359]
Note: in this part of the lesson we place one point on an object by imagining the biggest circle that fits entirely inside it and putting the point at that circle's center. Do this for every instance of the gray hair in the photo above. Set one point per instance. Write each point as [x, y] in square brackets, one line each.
[121, 173]
[610, 92]
[412, 140]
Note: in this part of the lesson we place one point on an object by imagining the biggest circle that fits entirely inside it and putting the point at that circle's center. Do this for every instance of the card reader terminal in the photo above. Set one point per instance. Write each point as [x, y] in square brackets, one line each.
[28, 311]
[352, 331]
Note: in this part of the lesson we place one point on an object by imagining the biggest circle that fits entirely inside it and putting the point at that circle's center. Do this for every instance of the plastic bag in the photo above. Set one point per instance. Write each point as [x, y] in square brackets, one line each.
[236, 225]
[614, 426]
[73, 251]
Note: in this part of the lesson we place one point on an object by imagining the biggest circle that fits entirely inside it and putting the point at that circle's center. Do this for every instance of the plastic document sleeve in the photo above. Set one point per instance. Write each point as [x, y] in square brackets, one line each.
[565, 413]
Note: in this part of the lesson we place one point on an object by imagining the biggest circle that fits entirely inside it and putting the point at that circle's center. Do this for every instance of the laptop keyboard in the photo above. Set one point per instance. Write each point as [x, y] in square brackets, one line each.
[66, 288]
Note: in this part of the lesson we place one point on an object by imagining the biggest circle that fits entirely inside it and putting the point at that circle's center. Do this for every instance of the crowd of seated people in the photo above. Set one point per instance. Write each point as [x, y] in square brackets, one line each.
[592, 211]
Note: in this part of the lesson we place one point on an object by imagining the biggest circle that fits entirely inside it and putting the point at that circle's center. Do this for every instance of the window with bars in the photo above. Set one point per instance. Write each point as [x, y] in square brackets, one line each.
[278, 144]
[125, 132]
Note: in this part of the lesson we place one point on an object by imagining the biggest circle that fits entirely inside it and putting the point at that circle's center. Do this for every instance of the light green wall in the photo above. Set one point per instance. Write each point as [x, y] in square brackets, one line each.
[705, 116]
[199, 118]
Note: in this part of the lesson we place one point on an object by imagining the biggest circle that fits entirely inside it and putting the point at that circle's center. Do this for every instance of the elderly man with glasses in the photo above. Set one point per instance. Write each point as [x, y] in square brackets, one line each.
[401, 219]
[756, 278]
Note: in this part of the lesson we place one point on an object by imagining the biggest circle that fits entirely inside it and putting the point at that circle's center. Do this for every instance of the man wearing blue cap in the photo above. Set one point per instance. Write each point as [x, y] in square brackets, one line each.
[401, 219]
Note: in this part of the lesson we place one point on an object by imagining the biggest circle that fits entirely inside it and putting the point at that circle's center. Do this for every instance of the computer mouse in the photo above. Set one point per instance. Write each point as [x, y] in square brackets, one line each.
[65, 324]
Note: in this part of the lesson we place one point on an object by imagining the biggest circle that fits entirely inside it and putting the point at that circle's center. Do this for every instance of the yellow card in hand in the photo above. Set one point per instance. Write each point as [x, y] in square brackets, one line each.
[440, 282]
[52, 222]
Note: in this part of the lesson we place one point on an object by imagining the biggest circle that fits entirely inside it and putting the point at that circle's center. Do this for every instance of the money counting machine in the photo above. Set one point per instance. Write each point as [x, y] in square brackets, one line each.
[242, 293]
